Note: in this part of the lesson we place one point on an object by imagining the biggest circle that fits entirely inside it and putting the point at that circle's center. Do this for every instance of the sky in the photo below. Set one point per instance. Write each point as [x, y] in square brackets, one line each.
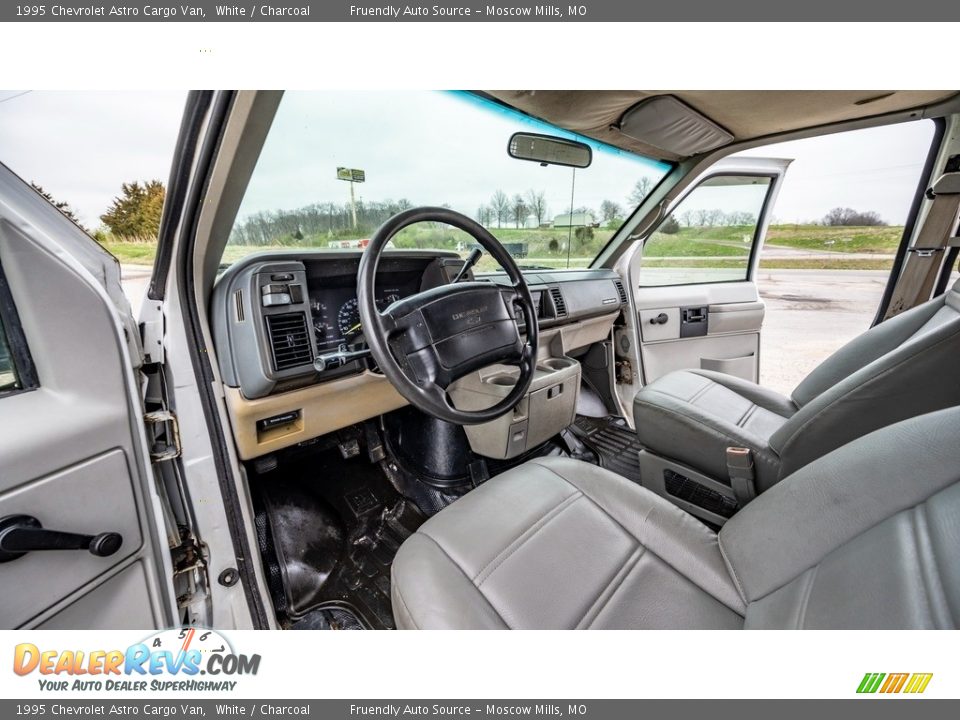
[81, 146]
[432, 148]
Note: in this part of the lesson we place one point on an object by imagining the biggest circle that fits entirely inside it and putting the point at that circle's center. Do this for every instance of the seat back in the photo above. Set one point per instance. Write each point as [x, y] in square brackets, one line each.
[865, 537]
[904, 367]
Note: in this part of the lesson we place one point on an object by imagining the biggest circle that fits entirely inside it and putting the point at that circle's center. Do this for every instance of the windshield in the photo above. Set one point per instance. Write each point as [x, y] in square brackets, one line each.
[335, 165]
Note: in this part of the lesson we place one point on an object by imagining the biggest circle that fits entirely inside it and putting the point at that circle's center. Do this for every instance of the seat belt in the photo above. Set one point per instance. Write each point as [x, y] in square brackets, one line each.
[740, 472]
[925, 257]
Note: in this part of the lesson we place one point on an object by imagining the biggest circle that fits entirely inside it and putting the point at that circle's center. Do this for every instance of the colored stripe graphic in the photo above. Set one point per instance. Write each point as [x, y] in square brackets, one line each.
[918, 682]
[893, 683]
[870, 682]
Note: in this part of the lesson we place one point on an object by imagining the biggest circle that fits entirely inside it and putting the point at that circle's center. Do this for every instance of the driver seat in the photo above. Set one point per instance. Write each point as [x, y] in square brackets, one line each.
[864, 537]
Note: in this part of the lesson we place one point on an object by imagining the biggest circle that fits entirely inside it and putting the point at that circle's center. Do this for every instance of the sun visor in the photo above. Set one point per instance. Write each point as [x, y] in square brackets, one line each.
[671, 125]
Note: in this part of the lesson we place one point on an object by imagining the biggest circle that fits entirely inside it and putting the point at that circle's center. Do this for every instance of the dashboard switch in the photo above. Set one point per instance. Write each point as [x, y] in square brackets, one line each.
[276, 299]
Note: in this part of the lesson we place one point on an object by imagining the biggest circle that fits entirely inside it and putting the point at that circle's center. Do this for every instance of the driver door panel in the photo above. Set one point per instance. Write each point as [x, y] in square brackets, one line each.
[73, 452]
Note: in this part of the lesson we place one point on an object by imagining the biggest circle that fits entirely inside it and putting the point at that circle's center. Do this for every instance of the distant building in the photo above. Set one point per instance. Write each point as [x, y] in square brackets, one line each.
[578, 219]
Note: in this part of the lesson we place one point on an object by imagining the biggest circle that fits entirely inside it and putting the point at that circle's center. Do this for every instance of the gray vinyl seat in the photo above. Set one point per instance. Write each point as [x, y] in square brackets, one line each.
[901, 368]
[865, 537]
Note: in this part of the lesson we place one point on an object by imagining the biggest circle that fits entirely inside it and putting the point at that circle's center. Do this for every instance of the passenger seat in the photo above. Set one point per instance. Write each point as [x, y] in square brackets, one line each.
[904, 367]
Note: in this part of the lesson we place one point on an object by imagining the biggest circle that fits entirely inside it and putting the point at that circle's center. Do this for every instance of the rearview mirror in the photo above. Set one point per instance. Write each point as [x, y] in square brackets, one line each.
[548, 150]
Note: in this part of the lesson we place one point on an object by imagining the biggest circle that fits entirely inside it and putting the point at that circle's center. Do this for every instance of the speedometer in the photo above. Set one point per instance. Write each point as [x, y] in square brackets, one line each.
[348, 319]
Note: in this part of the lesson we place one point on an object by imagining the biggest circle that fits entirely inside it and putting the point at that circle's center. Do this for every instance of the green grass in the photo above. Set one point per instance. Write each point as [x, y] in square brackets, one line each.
[129, 253]
[882, 240]
[547, 247]
[840, 263]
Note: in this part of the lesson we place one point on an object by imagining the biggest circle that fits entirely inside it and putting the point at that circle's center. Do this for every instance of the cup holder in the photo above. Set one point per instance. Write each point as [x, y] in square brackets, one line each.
[555, 364]
[502, 379]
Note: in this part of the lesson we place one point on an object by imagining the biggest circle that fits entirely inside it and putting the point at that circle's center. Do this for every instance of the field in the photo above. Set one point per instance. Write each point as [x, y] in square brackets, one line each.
[787, 246]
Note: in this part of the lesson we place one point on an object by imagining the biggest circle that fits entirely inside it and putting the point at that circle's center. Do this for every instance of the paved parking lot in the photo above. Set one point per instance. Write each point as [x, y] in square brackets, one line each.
[810, 314]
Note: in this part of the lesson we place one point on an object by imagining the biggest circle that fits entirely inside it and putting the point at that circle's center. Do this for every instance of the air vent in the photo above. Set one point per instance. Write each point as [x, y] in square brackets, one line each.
[289, 340]
[559, 304]
[238, 303]
[622, 291]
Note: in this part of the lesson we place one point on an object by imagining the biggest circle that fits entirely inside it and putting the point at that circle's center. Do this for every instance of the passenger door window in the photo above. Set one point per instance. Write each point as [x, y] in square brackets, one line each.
[710, 236]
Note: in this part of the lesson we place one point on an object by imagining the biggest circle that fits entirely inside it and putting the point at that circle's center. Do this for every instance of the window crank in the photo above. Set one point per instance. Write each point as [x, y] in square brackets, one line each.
[20, 534]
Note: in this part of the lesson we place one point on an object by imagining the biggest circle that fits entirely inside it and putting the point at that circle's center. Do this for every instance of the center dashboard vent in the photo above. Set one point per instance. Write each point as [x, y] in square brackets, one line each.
[289, 340]
[559, 304]
[621, 290]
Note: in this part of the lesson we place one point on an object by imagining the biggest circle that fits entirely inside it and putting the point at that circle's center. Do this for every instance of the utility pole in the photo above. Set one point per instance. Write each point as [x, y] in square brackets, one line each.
[353, 206]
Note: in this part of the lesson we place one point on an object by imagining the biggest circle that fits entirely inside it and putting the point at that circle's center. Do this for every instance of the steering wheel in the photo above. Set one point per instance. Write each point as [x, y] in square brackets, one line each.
[425, 342]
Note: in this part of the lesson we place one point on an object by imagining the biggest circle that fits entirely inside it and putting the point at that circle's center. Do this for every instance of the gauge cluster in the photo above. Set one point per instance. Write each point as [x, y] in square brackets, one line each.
[336, 315]
[334, 312]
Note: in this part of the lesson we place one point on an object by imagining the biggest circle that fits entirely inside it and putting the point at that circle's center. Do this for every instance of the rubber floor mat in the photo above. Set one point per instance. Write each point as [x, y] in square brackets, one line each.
[329, 531]
[613, 441]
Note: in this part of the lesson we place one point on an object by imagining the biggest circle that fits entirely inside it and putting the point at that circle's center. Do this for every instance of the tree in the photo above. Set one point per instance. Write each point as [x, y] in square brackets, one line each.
[537, 202]
[519, 212]
[500, 204]
[849, 216]
[701, 217]
[136, 212]
[609, 210]
[484, 214]
[640, 191]
[670, 226]
[58, 204]
[741, 217]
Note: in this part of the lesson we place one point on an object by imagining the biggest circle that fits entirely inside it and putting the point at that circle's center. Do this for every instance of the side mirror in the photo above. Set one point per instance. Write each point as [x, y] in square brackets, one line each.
[548, 150]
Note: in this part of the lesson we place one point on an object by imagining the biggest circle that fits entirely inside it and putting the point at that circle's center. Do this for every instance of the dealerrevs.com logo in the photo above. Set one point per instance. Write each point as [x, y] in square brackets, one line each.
[893, 683]
[182, 659]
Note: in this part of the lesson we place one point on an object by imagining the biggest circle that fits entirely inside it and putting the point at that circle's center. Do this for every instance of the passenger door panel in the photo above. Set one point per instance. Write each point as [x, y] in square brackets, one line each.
[693, 311]
[727, 339]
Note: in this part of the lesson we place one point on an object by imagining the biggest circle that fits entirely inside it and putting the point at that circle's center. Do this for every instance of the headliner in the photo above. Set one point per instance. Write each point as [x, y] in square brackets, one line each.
[747, 114]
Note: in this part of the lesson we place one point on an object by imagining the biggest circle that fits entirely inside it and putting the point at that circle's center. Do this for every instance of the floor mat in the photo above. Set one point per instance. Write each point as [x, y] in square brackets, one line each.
[334, 528]
[613, 441]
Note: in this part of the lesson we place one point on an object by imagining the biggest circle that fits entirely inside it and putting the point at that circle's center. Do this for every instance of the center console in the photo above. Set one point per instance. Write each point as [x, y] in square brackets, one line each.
[548, 407]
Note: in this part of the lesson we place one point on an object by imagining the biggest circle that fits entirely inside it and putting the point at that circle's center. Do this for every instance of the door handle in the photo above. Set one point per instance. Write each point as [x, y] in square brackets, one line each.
[20, 534]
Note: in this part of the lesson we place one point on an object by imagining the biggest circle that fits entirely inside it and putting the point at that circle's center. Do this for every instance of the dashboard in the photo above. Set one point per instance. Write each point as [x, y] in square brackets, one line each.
[291, 349]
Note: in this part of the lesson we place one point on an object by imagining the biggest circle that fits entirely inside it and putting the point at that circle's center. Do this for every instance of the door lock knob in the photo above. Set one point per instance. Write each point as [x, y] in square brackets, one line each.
[20, 534]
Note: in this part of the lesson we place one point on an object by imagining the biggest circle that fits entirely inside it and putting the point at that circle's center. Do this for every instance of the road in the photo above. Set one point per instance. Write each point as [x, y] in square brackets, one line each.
[810, 314]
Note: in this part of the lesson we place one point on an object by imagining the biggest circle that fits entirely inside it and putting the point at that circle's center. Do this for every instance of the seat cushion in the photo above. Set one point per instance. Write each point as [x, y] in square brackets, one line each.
[557, 543]
[693, 416]
[864, 537]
